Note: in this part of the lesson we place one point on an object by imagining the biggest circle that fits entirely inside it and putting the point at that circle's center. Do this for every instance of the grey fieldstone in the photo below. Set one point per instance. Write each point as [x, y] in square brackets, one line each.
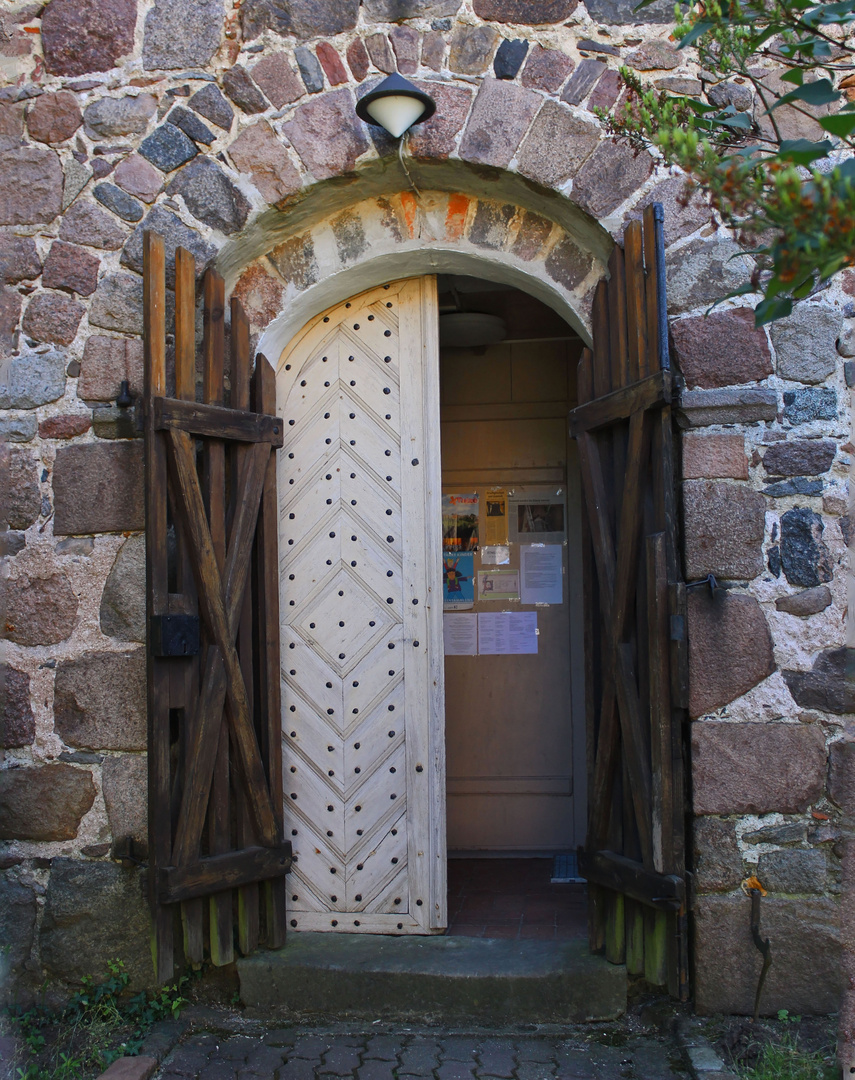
[802, 457]
[380, 53]
[792, 871]
[71, 269]
[44, 802]
[107, 361]
[685, 209]
[721, 349]
[841, 774]
[123, 599]
[546, 69]
[10, 314]
[582, 81]
[740, 96]
[568, 264]
[168, 147]
[120, 202]
[805, 343]
[10, 544]
[52, 318]
[182, 33]
[804, 555]
[405, 42]
[714, 457]
[20, 485]
[40, 610]
[807, 602]
[85, 224]
[117, 422]
[360, 62]
[112, 116]
[828, 686]
[626, 13]
[324, 135]
[100, 701]
[191, 125]
[54, 117]
[701, 408]
[609, 176]
[75, 177]
[730, 648]
[30, 186]
[499, 119]
[278, 80]
[396, 10]
[139, 177]
[19, 723]
[557, 145]
[654, 55]
[18, 428]
[18, 907]
[259, 152]
[95, 912]
[19, 260]
[303, 18]
[790, 832]
[310, 69]
[436, 137]
[718, 862]
[798, 485]
[98, 487]
[81, 36]
[33, 379]
[723, 527]
[117, 304]
[211, 104]
[243, 91]
[210, 196]
[805, 406]
[124, 780]
[525, 12]
[175, 234]
[471, 49]
[753, 768]
[705, 271]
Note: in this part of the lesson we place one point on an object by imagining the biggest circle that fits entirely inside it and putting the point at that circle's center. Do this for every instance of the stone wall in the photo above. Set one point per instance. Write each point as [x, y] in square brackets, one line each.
[229, 128]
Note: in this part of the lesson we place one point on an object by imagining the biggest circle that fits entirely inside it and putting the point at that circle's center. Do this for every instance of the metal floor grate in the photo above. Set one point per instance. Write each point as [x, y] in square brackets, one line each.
[565, 870]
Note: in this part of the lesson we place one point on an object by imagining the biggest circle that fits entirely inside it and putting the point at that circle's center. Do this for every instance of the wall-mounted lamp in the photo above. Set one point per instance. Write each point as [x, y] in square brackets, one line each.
[395, 105]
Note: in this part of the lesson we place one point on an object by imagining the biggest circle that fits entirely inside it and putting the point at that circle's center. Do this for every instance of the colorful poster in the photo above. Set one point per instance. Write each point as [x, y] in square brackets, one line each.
[496, 522]
[498, 584]
[496, 555]
[460, 634]
[458, 580]
[460, 522]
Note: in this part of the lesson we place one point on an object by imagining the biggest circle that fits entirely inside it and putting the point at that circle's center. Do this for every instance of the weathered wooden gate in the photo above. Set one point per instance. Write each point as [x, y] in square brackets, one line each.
[635, 631]
[214, 740]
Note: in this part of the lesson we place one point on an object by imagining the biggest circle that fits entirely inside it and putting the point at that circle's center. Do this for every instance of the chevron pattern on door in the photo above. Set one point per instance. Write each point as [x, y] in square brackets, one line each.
[361, 663]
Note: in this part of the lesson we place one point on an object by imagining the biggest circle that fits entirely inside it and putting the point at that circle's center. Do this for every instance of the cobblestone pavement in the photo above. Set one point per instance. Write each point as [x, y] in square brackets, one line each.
[300, 1053]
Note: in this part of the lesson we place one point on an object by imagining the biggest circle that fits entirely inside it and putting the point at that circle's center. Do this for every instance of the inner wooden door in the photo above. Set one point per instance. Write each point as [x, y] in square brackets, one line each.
[361, 611]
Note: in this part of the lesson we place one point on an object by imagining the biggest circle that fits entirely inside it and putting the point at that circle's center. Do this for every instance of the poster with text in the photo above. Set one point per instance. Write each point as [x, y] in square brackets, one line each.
[496, 520]
[458, 581]
[460, 522]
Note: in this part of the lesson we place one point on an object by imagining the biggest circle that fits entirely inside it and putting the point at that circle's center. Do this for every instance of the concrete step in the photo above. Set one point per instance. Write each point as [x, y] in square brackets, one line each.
[429, 979]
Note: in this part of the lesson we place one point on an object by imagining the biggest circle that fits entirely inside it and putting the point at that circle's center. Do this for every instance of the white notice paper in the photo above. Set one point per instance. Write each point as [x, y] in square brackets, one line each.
[460, 634]
[540, 569]
[508, 633]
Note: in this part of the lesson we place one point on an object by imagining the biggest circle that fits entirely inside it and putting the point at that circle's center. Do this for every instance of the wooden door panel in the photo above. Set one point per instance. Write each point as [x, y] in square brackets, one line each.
[356, 575]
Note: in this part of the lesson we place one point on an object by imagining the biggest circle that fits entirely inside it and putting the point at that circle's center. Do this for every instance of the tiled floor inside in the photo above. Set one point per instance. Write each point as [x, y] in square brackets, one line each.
[513, 898]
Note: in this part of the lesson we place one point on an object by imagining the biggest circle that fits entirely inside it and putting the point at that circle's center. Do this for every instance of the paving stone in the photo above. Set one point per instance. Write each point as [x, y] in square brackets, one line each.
[112, 116]
[805, 406]
[509, 58]
[533, 1070]
[805, 343]
[703, 272]
[44, 802]
[654, 55]
[98, 487]
[405, 43]
[33, 379]
[373, 1070]
[730, 648]
[64, 427]
[100, 701]
[299, 1069]
[500, 117]
[711, 457]
[455, 1070]
[358, 59]
[339, 1060]
[383, 1047]
[828, 686]
[433, 50]
[755, 768]
[700, 408]
[804, 555]
[525, 12]
[168, 147]
[380, 53]
[210, 196]
[30, 186]
[807, 457]
[546, 69]
[582, 81]
[80, 36]
[191, 125]
[277, 79]
[609, 176]
[211, 104]
[472, 48]
[242, 90]
[54, 118]
[19, 724]
[70, 268]
[724, 525]
[303, 18]
[182, 33]
[807, 602]
[324, 135]
[721, 349]
[259, 152]
[117, 304]
[420, 1057]
[557, 145]
[175, 234]
[40, 610]
[436, 137]
[140, 178]
[19, 260]
[85, 224]
[52, 318]
[717, 859]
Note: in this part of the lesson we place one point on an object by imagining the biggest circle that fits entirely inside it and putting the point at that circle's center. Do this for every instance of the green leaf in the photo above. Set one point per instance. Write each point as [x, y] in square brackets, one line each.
[803, 151]
[819, 92]
[698, 30]
[841, 125]
[769, 310]
[794, 75]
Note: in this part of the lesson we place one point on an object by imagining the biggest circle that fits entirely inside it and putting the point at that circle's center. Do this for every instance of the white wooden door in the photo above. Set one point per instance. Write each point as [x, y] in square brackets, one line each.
[361, 603]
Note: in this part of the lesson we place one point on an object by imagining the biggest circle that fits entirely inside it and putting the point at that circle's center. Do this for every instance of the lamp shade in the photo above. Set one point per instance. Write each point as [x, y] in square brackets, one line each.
[395, 104]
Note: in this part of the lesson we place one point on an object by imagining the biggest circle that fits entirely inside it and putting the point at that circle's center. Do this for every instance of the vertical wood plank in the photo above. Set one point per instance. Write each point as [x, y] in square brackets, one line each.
[634, 937]
[615, 928]
[662, 789]
[640, 362]
[159, 781]
[618, 339]
[655, 947]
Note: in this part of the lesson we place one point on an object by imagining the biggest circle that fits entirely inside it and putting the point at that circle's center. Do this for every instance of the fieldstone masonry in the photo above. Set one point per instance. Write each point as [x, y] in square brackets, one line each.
[230, 129]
